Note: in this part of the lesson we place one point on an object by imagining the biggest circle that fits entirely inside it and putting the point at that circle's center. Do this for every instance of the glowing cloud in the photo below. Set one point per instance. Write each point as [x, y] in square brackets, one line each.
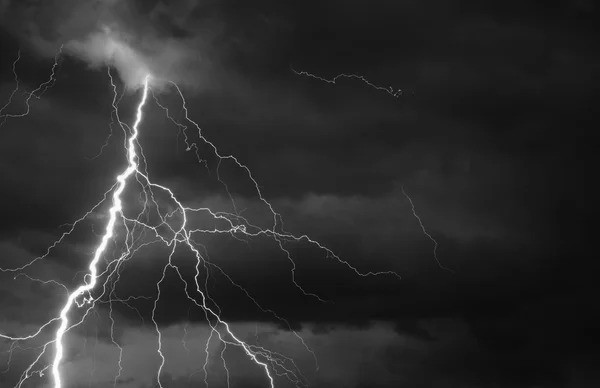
[109, 33]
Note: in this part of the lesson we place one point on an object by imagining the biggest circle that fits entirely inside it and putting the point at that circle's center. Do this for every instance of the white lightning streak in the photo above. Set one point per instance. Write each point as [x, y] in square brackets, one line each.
[116, 208]
[389, 90]
[425, 232]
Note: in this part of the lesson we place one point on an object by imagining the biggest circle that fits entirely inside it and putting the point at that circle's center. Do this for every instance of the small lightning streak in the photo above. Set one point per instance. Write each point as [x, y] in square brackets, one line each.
[435, 243]
[389, 90]
[41, 89]
[9, 101]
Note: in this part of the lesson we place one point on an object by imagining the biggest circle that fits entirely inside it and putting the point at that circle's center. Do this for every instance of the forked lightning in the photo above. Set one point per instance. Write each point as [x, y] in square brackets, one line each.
[173, 231]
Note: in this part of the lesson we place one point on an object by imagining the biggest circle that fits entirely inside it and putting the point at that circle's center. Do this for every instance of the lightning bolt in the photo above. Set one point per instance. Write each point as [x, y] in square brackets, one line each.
[171, 229]
[9, 101]
[425, 232]
[389, 90]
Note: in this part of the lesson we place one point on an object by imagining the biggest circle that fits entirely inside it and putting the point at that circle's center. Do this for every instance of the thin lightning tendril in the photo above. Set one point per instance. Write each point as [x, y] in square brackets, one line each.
[425, 232]
[34, 93]
[9, 101]
[173, 231]
[395, 93]
[389, 90]
[110, 229]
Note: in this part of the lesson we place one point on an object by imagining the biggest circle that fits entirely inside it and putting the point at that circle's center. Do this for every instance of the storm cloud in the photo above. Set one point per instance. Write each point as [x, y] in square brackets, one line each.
[129, 36]
[489, 140]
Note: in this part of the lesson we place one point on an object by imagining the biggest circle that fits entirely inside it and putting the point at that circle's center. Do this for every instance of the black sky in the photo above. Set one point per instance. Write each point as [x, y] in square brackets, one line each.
[491, 139]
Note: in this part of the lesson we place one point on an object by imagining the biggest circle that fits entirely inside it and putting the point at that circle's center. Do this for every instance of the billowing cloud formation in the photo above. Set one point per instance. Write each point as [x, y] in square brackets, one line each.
[112, 33]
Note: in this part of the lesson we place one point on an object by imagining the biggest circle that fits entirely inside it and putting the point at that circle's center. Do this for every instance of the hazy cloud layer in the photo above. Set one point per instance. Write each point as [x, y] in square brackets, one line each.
[375, 356]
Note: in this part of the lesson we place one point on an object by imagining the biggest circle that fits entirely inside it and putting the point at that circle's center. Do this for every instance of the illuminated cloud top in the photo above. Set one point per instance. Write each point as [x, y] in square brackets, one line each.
[113, 33]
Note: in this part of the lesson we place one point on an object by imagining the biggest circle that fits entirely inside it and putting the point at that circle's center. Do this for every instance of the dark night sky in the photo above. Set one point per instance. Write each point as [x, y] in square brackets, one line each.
[490, 138]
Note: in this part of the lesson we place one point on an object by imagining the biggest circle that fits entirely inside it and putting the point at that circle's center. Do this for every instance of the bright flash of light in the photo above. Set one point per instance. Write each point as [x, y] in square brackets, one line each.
[173, 230]
[395, 93]
[115, 210]
[389, 90]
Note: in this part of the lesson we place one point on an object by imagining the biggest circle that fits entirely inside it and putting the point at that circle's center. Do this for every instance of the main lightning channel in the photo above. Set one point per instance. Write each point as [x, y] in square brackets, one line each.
[108, 234]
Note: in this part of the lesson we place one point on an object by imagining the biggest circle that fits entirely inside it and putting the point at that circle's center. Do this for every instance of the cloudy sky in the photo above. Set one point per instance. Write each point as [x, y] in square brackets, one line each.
[489, 138]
